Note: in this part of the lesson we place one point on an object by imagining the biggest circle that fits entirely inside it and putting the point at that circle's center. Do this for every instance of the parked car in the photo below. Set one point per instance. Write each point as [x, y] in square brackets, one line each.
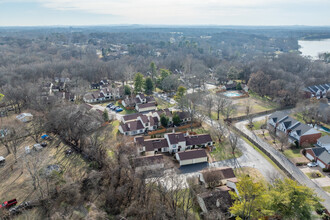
[2, 161]
[44, 144]
[312, 164]
[119, 110]
[8, 204]
[113, 107]
[110, 104]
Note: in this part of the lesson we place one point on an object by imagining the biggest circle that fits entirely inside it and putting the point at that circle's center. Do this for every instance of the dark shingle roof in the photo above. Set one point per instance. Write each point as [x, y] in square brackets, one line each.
[146, 105]
[192, 154]
[174, 138]
[153, 144]
[198, 139]
[318, 151]
[183, 115]
[221, 172]
[131, 116]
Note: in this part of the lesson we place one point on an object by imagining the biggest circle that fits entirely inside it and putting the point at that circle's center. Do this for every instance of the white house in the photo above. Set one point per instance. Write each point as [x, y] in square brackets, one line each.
[176, 142]
[324, 142]
[146, 107]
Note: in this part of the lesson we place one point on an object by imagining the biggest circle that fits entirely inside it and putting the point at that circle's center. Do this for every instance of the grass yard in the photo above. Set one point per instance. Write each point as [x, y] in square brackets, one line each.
[223, 152]
[115, 130]
[163, 104]
[326, 188]
[125, 111]
[292, 153]
[314, 175]
[252, 172]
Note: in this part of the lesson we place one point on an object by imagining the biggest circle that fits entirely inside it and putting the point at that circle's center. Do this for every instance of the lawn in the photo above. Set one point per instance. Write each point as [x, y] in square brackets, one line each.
[292, 153]
[257, 125]
[252, 172]
[314, 175]
[223, 152]
[115, 125]
[163, 104]
[326, 188]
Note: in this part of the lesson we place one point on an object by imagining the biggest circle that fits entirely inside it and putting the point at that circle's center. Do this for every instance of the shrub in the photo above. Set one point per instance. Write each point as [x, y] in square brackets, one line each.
[301, 163]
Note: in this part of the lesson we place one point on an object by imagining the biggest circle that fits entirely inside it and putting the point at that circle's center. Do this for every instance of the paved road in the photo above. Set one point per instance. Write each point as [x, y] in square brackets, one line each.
[287, 164]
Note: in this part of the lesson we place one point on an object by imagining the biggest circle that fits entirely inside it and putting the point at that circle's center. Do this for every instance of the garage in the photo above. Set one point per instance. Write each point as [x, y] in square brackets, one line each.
[191, 157]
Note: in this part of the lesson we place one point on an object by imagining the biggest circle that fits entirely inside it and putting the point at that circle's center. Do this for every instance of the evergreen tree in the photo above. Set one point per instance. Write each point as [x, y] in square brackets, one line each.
[105, 115]
[148, 86]
[176, 119]
[138, 82]
[164, 120]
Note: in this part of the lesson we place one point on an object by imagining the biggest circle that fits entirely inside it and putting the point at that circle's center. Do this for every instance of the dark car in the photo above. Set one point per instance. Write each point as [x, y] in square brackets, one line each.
[8, 204]
[109, 105]
[44, 144]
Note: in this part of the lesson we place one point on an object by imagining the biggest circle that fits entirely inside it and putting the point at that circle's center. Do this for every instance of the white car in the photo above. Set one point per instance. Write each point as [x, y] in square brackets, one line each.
[312, 164]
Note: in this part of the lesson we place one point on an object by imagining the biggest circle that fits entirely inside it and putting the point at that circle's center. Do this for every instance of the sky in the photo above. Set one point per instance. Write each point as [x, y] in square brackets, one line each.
[164, 12]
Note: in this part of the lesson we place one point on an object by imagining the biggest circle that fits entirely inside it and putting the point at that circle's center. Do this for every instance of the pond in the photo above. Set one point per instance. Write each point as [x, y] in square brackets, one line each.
[314, 47]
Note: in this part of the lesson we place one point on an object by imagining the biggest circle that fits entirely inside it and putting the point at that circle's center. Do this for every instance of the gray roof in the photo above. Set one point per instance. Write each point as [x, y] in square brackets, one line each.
[325, 139]
[289, 122]
[301, 128]
[277, 116]
[318, 151]
[325, 157]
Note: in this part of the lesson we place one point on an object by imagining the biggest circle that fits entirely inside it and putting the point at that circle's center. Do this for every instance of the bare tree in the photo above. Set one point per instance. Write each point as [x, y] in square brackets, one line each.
[219, 130]
[220, 102]
[284, 140]
[229, 110]
[209, 103]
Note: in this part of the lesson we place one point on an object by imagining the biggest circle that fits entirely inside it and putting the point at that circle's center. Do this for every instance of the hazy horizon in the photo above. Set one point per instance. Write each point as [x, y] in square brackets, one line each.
[169, 12]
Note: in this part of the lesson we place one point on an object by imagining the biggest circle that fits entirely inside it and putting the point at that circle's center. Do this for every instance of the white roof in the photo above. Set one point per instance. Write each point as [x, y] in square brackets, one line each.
[2, 158]
[23, 115]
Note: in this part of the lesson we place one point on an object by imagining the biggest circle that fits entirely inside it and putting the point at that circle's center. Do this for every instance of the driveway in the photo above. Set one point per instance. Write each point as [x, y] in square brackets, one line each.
[116, 115]
[286, 163]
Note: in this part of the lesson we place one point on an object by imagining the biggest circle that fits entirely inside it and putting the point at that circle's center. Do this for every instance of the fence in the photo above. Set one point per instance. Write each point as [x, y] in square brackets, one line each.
[264, 151]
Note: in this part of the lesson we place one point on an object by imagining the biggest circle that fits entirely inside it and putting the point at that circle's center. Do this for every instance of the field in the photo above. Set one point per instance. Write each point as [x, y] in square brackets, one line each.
[223, 151]
[258, 105]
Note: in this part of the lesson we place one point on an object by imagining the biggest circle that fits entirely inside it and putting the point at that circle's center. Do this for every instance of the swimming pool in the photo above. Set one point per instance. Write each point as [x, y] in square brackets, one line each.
[232, 94]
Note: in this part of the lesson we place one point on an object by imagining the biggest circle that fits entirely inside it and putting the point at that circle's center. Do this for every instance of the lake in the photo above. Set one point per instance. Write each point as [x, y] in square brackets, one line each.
[314, 47]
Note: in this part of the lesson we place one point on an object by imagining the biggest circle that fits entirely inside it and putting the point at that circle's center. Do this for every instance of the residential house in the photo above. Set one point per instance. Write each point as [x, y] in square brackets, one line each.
[320, 155]
[223, 181]
[132, 128]
[139, 99]
[215, 201]
[191, 157]
[198, 141]
[219, 176]
[146, 107]
[324, 142]
[150, 121]
[317, 91]
[172, 143]
[104, 94]
[297, 132]
[184, 116]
